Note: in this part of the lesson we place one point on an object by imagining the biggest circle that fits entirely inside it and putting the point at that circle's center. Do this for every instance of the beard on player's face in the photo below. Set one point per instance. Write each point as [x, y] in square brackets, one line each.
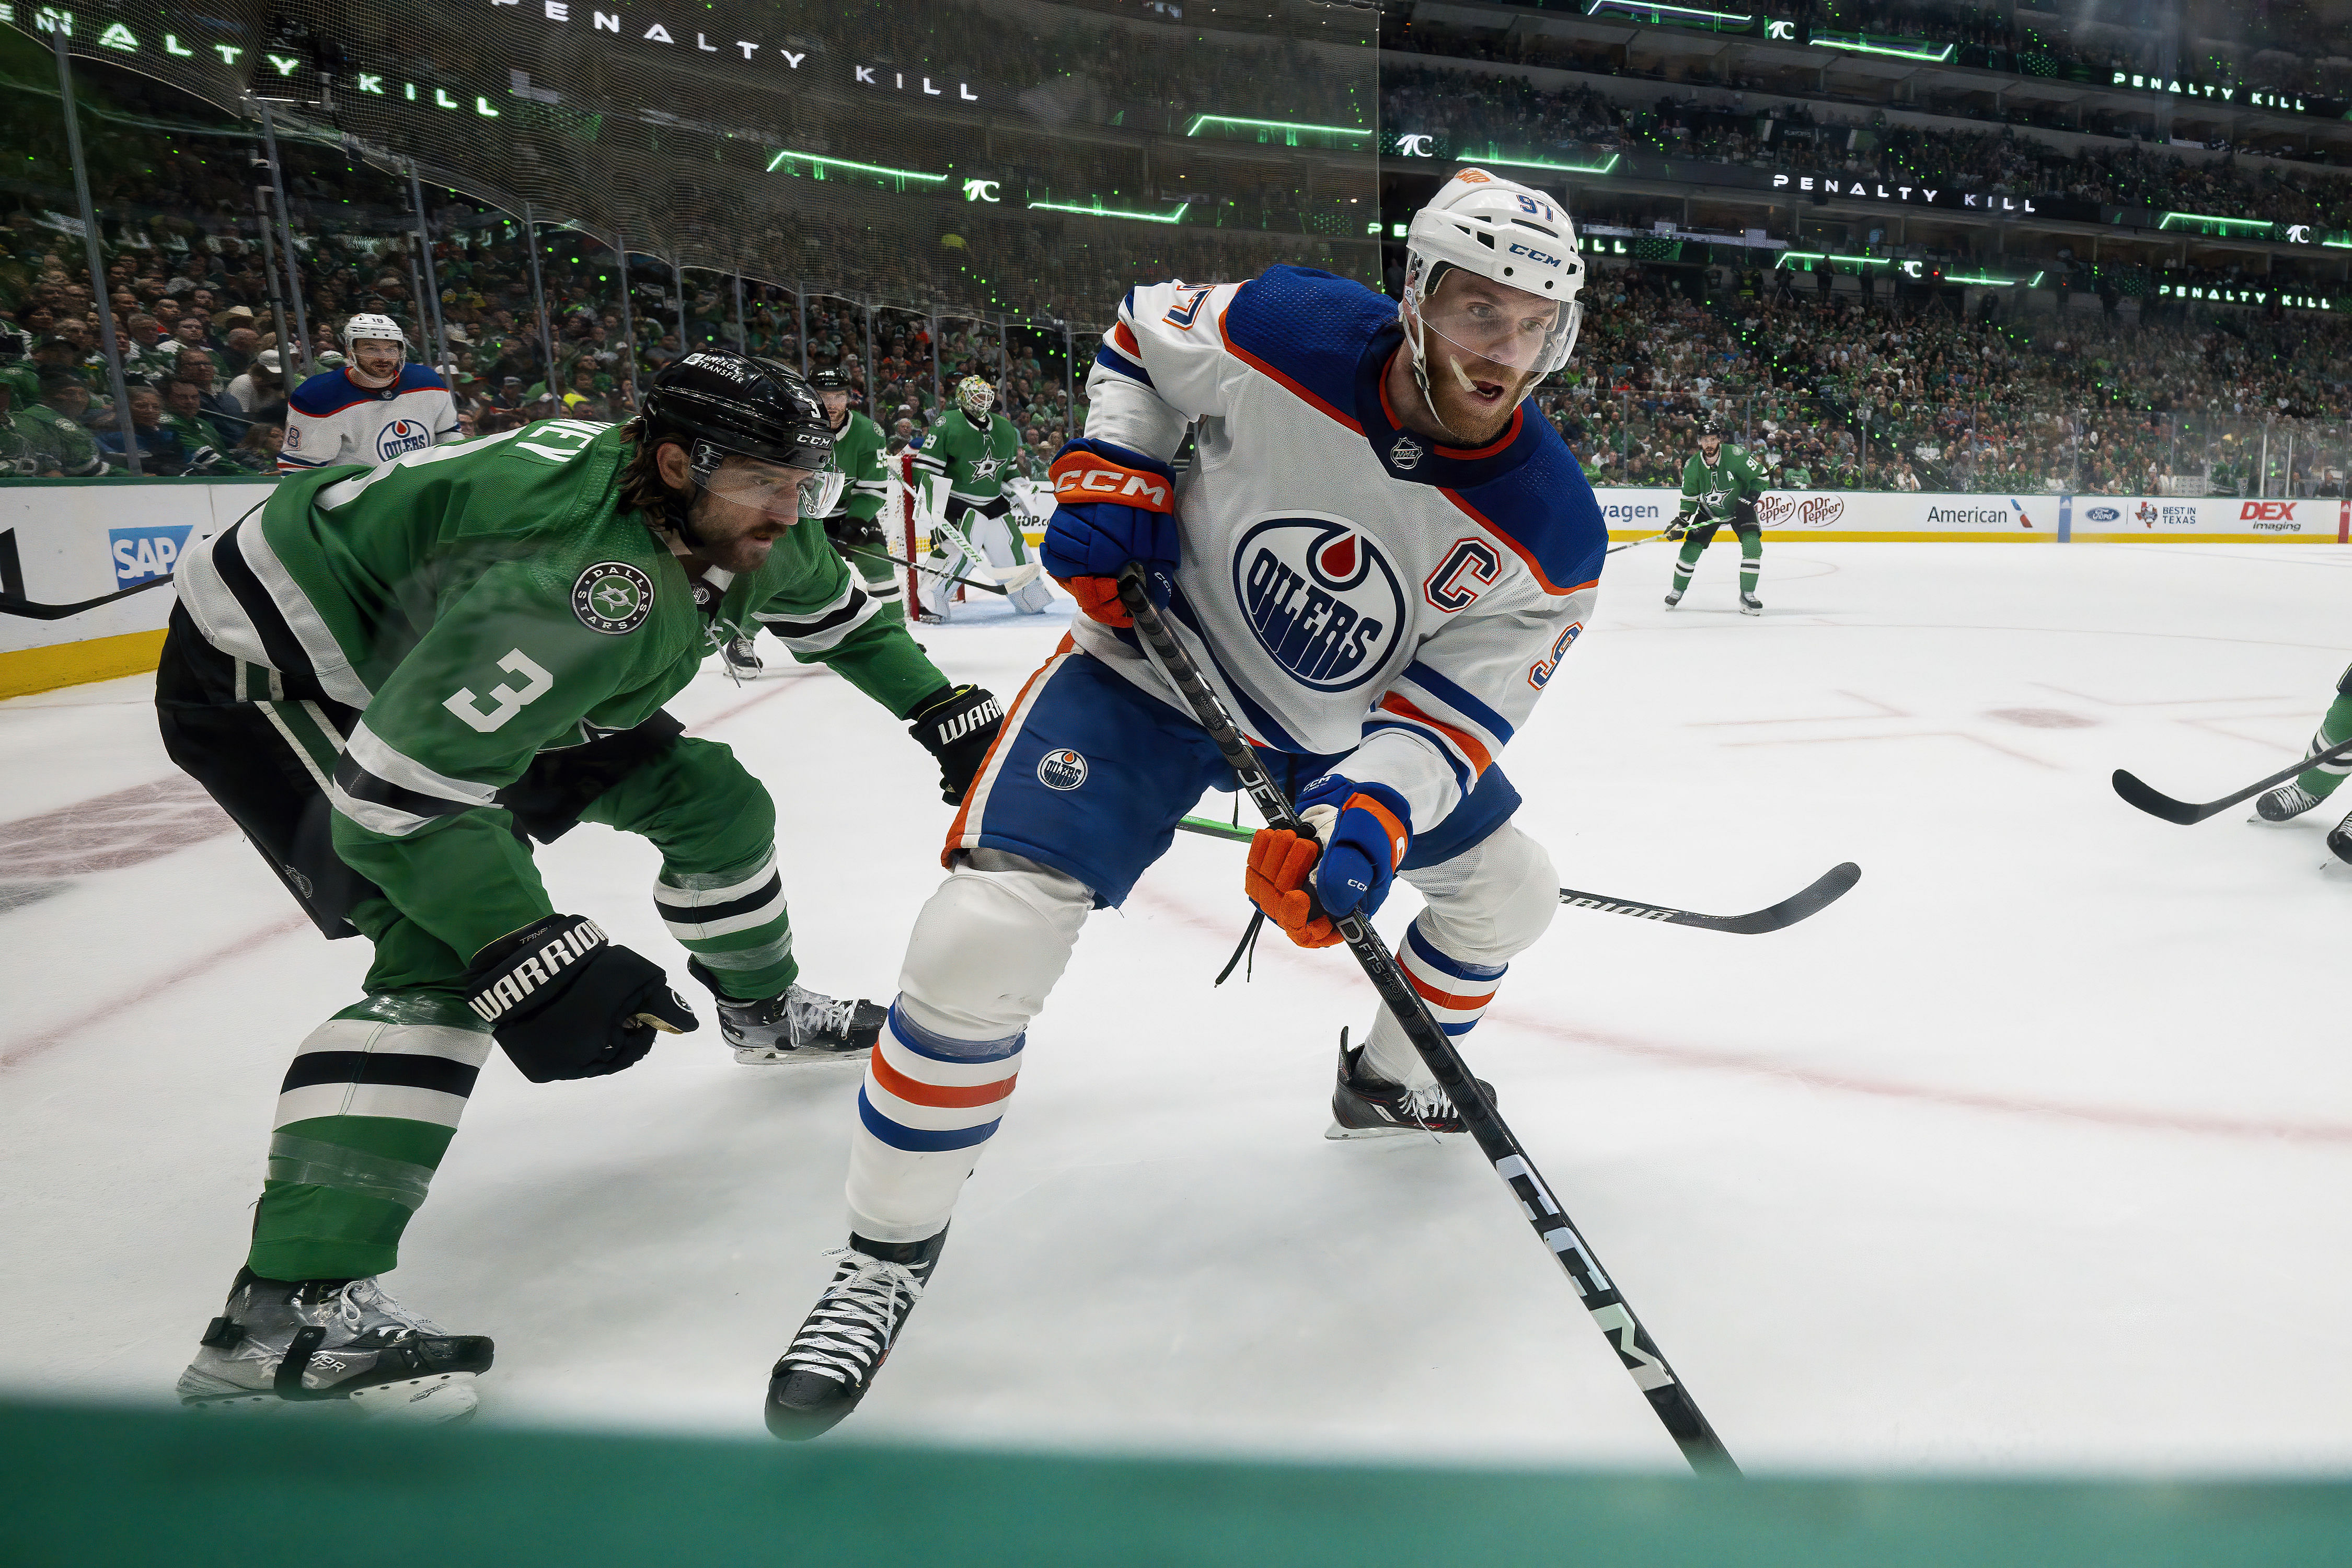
[1474, 398]
[730, 535]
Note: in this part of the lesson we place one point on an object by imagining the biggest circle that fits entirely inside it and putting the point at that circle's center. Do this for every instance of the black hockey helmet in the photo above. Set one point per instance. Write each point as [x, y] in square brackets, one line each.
[1707, 428]
[722, 404]
[832, 378]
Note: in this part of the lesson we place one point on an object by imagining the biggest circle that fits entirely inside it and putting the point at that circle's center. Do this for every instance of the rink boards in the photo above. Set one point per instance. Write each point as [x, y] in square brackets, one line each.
[84, 565]
[1929, 518]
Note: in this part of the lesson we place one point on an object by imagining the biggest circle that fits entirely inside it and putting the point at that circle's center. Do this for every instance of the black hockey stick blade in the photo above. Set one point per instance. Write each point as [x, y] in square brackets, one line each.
[1670, 1400]
[1828, 888]
[2156, 803]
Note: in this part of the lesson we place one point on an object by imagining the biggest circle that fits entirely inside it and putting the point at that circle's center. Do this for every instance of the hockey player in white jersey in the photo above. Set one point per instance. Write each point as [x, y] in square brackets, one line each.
[1378, 559]
[373, 409]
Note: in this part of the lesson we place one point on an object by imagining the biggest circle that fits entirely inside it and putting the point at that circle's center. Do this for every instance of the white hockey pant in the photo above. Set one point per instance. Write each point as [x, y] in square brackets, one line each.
[994, 939]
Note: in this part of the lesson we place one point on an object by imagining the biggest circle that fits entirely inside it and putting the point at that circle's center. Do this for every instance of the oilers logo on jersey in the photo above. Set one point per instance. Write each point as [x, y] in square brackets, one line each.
[401, 436]
[1323, 600]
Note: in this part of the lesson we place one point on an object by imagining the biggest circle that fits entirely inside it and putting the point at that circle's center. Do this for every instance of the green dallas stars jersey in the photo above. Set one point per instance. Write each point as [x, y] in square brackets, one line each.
[857, 453]
[481, 603]
[1712, 495]
[977, 460]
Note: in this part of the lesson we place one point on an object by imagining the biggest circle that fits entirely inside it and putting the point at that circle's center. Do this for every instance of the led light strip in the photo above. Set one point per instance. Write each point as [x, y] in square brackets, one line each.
[1176, 217]
[860, 168]
[1200, 120]
[2225, 222]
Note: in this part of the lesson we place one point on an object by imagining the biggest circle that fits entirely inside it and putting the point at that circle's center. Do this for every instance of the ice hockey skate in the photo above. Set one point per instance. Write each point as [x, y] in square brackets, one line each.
[2284, 804]
[1749, 604]
[801, 1025]
[2339, 840]
[1364, 1105]
[291, 1341]
[742, 658]
[848, 1335]
[1674, 597]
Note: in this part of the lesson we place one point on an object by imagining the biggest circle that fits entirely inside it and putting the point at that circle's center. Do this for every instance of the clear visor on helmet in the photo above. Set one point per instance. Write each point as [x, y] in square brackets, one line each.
[1505, 326]
[770, 488]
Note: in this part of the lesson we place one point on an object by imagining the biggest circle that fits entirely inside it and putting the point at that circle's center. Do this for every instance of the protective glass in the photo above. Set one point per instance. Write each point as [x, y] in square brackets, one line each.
[770, 487]
[1507, 326]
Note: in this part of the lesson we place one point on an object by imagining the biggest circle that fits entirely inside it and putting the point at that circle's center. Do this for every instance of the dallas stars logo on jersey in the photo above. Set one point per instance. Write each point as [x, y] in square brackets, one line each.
[985, 468]
[613, 598]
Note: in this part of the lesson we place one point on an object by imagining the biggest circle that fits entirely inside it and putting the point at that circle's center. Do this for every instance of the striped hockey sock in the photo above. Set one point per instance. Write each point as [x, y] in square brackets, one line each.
[1456, 991]
[364, 1115]
[928, 1105]
[735, 920]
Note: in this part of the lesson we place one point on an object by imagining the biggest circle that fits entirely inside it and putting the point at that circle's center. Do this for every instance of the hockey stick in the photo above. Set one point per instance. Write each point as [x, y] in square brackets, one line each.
[2156, 803]
[1018, 576]
[1826, 890]
[1630, 542]
[1634, 1347]
[933, 571]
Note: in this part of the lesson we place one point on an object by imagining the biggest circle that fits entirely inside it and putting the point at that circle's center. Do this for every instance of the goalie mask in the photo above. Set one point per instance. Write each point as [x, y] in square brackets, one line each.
[975, 397]
[718, 405]
[1508, 234]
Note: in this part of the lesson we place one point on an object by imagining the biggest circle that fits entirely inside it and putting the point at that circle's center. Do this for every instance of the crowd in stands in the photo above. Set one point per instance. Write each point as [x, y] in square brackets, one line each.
[1835, 392]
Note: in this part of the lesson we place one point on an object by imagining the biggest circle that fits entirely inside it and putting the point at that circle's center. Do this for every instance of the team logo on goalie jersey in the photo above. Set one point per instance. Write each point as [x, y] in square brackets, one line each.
[1322, 598]
[613, 598]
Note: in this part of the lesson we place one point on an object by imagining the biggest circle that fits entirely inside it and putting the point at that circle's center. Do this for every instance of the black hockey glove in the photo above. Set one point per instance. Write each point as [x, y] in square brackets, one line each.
[1676, 530]
[956, 725]
[564, 1002]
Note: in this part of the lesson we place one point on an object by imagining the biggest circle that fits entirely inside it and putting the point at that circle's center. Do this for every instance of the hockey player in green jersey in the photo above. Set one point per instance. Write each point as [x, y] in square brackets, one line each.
[2315, 784]
[1719, 485]
[973, 454]
[851, 525]
[393, 679]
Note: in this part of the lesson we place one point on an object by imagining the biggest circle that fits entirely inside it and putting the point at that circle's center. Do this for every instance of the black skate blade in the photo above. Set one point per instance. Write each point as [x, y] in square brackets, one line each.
[806, 1056]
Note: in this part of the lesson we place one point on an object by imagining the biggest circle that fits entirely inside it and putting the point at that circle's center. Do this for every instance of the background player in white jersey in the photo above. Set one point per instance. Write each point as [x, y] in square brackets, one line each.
[1378, 558]
[372, 409]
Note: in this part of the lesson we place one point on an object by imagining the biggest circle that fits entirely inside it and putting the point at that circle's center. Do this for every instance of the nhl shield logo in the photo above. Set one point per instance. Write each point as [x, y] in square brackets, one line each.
[613, 598]
[401, 436]
[1321, 598]
[1061, 769]
[1406, 456]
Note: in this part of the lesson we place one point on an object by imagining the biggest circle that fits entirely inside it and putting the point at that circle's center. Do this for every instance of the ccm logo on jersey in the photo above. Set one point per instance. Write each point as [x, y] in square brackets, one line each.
[1082, 476]
[1467, 568]
[401, 436]
[1322, 599]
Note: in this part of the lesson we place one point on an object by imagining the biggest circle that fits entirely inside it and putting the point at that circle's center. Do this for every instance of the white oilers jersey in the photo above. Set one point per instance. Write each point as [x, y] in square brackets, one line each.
[1347, 585]
[330, 419]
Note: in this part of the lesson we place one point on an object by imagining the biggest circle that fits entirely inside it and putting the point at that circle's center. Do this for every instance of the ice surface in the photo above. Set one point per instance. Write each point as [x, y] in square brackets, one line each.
[2031, 1152]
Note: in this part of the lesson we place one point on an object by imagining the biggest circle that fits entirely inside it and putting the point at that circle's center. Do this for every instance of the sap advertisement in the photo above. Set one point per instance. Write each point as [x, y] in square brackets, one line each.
[2023, 519]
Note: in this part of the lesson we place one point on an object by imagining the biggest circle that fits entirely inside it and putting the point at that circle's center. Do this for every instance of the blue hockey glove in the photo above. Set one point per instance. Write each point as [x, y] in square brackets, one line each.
[1366, 829]
[1112, 505]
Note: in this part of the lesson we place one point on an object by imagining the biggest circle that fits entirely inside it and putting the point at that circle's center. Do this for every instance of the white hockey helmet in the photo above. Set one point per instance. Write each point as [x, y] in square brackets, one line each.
[367, 324]
[1509, 234]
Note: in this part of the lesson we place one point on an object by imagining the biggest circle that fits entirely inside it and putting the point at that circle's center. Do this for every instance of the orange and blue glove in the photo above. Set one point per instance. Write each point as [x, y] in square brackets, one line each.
[1305, 886]
[1112, 505]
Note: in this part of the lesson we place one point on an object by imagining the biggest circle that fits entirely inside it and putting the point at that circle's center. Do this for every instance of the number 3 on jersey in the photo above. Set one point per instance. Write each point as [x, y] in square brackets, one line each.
[506, 700]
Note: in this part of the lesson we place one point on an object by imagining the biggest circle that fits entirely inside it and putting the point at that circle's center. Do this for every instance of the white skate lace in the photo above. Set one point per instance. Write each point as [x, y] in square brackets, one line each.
[811, 1013]
[850, 1328]
[362, 1299]
[1429, 1107]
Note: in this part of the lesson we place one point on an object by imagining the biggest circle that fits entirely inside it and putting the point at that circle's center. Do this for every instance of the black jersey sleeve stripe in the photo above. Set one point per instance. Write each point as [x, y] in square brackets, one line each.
[375, 1067]
[708, 914]
[361, 784]
[286, 652]
[849, 610]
